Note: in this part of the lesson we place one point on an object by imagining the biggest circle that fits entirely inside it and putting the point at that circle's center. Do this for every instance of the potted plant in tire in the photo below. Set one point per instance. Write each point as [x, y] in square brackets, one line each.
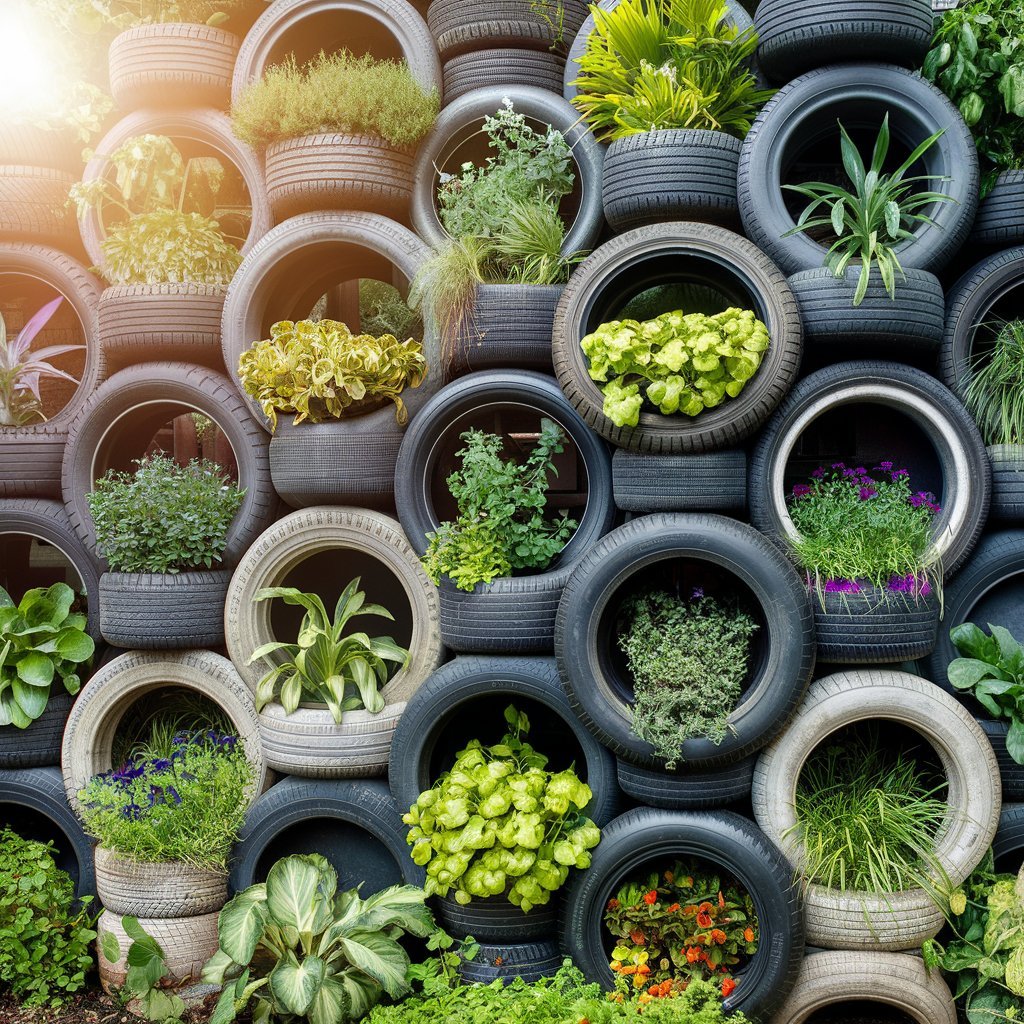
[340, 133]
[669, 85]
[161, 529]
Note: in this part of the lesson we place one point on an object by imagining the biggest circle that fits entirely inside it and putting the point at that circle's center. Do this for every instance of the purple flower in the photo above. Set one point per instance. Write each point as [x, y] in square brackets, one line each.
[161, 764]
[886, 467]
[132, 812]
[897, 473]
[698, 593]
[839, 465]
[802, 490]
[174, 795]
[909, 584]
[818, 473]
[842, 587]
[860, 471]
[866, 493]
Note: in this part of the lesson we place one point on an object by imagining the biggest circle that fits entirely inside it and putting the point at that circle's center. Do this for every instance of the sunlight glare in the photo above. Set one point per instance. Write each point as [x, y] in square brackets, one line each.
[30, 78]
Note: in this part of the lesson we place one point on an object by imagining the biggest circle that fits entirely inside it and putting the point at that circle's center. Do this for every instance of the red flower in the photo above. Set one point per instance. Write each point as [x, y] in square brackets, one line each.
[717, 935]
[651, 897]
[673, 908]
[727, 987]
[704, 919]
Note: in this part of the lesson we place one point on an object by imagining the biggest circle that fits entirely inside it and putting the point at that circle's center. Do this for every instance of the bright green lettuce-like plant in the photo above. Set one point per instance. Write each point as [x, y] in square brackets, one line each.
[871, 220]
[41, 641]
[995, 391]
[343, 671]
[498, 823]
[683, 362]
[299, 950]
[145, 968]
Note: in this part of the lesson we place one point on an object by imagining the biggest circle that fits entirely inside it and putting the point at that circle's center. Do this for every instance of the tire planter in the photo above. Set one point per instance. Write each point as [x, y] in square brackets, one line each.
[1007, 461]
[804, 113]
[1000, 220]
[494, 920]
[950, 432]
[462, 26]
[794, 37]
[353, 823]
[599, 689]
[1011, 774]
[1008, 845]
[172, 65]
[138, 675]
[135, 402]
[891, 980]
[645, 836]
[540, 69]
[690, 790]
[27, 145]
[38, 745]
[163, 611]
[675, 253]
[530, 961]
[713, 482]
[32, 206]
[162, 890]
[838, 919]
[470, 694]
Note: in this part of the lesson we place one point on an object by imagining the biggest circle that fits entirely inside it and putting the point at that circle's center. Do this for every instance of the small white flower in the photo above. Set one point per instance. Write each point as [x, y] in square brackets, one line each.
[506, 102]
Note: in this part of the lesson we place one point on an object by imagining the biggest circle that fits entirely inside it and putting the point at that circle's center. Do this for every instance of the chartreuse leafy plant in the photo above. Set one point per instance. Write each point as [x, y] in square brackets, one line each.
[995, 391]
[678, 362]
[298, 950]
[342, 670]
[869, 222]
[145, 967]
[499, 824]
[42, 641]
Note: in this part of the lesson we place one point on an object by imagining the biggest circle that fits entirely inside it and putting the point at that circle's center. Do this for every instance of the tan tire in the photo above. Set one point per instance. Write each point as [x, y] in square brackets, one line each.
[95, 716]
[890, 921]
[164, 889]
[32, 206]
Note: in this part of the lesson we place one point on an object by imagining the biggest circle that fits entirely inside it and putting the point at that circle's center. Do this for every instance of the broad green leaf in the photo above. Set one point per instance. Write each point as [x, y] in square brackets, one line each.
[299, 896]
[242, 921]
[330, 1003]
[295, 985]
[110, 947]
[35, 669]
[965, 673]
[1015, 740]
[380, 957]
[31, 699]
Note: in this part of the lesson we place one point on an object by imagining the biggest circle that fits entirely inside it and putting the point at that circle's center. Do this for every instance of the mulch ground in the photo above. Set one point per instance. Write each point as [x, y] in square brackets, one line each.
[92, 1007]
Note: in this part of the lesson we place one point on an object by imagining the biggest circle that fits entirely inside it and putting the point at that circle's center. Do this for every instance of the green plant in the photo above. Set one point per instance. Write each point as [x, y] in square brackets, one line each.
[688, 660]
[501, 524]
[342, 671]
[304, 951]
[45, 933]
[336, 93]
[78, 106]
[41, 639]
[552, 13]
[317, 370]
[382, 310]
[146, 968]
[871, 220]
[149, 732]
[654, 64]
[439, 974]
[498, 824]
[91, 16]
[995, 391]
[164, 517]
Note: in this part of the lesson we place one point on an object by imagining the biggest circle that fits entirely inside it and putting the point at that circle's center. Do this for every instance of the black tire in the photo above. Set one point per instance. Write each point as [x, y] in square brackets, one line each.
[1000, 220]
[795, 36]
[157, 611]
[428, 734]
[671, 174]
[633, 841]
[1011, 774]
[804, 112]
[495, 920]
[143, 398]
[530, 961]
[689, 791]
[39, 744]
[1008, 845]
[354, 824]
[1007, 461]
[712, 482]
[461, 119]
[460, 26]
[540, 69]
[640, 259]
[914, 394]
[33, 804]
[32, 207]
[782, 658]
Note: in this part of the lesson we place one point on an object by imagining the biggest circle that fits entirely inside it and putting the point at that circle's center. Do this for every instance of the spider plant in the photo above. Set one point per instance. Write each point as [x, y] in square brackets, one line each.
[995, 393]
[872, 219]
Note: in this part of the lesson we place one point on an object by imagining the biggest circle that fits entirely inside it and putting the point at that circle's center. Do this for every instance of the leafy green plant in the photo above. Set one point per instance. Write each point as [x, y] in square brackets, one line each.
[995, 391]
[318, 370]
[498, 824]
[146, 968]
[439, 974]
[501, 524]
[90, 16]
[41, 640]
[552, 13]
[382, 310]
[305, 952]
[871, 220]
[153, 732]
[164, 517]
[655, 64]
[688, 660]
[78, 106]
[45, 934]
[344, 671]
[685, 362]
[336, 93]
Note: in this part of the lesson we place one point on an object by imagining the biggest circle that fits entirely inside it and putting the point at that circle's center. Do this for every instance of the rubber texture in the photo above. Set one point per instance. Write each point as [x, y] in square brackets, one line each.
[27, 145]
[1011, 774]
[712, 482]
[461, 26]
[687, 790]
[1000, 220]
[530, 961]
[465, 72]
[167, 889]
[1007, 461]
[38, 746]
[495, 920]
[1009, 838]
[32, 206]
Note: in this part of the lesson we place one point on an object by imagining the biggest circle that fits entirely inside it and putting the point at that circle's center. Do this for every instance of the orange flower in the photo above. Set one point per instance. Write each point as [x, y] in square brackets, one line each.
[727, 986]
[721, 898]
[692, 955]
[717, 935]
[638, 937]
[689, 910]
[613, 904]
[673, 908]
[748, 934]
[704, 919]
[651, 897]
[643, 969]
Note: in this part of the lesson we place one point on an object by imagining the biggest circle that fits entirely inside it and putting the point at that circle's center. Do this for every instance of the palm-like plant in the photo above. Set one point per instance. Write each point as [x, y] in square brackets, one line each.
[995, 393]
[872, 219]
[343, 672]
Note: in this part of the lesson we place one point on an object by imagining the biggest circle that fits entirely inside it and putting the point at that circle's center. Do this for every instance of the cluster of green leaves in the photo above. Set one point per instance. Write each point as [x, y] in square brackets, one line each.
[382, 310]
[342, 671]
[145, 969]
[77, 106]
[317, 370]
[45, 934]
[499, 824]
[685, 362]
[655, 64]
[305, 952]
[41, 639]
[688, 659]
[91, 17]
[336, 93]
[501, 524]
[995, 391]
[977, 60]
[163, 517]
[878, 214]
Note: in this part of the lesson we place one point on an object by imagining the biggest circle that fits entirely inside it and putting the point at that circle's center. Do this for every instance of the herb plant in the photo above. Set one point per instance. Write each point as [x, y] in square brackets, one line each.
[501, 524]
[995, 391]
[684, 362]
[688, 659]
[41, 641]
[342, 670]
[382, 310]
[145, 969]
[871, 220]
[499, 824]
[654, 64]
[45, 933]
[164, 517]
[318, 370]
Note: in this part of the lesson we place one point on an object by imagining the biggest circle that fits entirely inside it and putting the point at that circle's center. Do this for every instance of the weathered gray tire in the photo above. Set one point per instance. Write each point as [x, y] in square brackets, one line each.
[1000, 220]
[32, 206]
[541, 69]
[38, 746]
[711, 482]
[28, 145]
[163, 889]
[461, 26]
[893, 921]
